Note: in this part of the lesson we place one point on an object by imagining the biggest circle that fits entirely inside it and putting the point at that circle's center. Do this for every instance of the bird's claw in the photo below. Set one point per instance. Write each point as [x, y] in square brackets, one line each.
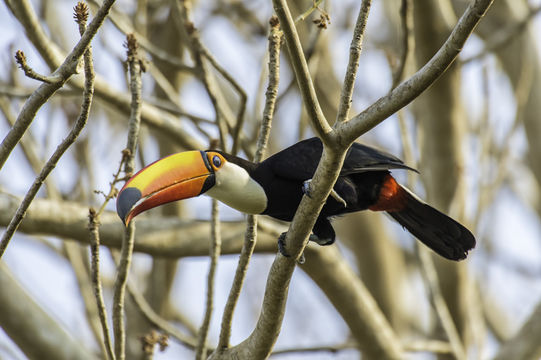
[282, 244]
[338, 198]
[301, 259]
[282, 248]
[320, 241]
[306, 188]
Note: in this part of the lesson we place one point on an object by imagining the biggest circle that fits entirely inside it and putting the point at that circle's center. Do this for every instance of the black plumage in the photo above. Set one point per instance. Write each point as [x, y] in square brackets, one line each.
[364, 183]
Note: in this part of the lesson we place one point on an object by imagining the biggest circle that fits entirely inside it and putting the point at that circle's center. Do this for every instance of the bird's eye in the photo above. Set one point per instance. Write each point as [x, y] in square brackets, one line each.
[216, 161]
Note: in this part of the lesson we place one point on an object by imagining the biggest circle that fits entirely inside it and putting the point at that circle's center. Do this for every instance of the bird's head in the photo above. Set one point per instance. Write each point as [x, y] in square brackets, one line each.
[189, 174]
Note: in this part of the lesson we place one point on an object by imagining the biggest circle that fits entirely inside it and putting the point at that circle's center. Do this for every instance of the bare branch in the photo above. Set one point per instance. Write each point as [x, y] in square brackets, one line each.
[129, 235]
[36, 333]
[20, 57]
[121, 21]
[354, 55]
[525, 343]
[30, 148]
[346, 291]
[302, 72]
[93, 227]
[52, 54]
[170, 238]
[502, 37]
[242, 94]
[200, 56]
[60, 150]
[420, 81]
[442, 310]
[408, 41]
[46, 90]
[317, 349]
[251, 225]
[215, 247]
[156, 319]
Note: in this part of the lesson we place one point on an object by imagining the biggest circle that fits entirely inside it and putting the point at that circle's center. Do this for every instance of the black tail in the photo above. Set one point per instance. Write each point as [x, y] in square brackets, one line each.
[436, 230]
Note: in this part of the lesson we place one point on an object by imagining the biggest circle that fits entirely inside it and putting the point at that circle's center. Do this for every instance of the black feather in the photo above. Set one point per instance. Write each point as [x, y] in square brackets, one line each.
[436, 230]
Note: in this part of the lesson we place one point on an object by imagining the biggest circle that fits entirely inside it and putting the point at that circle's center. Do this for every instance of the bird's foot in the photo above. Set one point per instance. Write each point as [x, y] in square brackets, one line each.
[307, 190]
[282, 244]
[320, 241]
[282, 248]
[338, 198]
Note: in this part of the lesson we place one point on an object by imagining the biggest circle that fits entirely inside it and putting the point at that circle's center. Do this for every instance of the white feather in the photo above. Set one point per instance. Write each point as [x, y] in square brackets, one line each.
[234, 187]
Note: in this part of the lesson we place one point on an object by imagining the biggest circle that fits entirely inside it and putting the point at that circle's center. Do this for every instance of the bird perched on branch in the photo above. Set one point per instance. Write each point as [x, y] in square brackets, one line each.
[275, 187]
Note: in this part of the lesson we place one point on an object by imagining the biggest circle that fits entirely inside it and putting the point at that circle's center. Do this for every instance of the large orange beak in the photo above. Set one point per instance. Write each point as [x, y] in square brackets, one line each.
[176, 177]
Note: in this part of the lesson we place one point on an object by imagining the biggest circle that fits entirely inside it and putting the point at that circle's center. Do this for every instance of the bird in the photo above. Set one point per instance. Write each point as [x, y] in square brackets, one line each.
[275, 187]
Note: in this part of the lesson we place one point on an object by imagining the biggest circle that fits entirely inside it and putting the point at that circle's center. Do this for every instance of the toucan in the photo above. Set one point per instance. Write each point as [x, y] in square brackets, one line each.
[276, 185]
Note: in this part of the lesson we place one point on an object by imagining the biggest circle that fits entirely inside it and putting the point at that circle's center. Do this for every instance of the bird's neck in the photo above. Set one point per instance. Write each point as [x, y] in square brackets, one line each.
[237, 189]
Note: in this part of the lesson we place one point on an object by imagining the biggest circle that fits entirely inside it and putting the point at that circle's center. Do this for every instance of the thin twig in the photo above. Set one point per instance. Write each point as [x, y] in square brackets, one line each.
[156, 320]
[242, 95]
[408, 44]
[349, 295]
[29, 148]
[433, 346]
[20, 57]
[201, 351]
[504, 36]
[196, 50]
[408, 41]
[317, 349]
[81, 17]
[122, 23]
[162, 121]
[302, 73]
[304, 15]
[404, 93]
[129, 235]
[275, 40]
[355, 49]
[427, 264]
[93, 227]
[45, 90]
[442, 310]
[59, 152]
[488, 192]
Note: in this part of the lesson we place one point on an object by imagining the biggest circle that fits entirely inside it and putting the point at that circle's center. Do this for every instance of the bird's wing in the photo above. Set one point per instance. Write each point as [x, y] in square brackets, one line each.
[362, 158]
[299, 161]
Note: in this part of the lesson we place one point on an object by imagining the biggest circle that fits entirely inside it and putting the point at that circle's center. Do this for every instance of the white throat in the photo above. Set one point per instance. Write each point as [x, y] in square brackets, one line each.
[234, 187]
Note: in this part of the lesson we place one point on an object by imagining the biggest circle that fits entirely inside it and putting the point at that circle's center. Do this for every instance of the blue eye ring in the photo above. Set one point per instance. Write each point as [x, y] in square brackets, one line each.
[216, 161]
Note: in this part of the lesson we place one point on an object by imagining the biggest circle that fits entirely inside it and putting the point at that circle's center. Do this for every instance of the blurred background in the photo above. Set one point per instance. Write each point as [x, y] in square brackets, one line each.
[474, 136]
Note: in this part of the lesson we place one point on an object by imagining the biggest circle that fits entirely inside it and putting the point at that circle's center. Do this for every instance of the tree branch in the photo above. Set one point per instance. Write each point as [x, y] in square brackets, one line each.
[354, 55]
[375, 337]
[64, 145]
[36, 333]
[420, 81]
[129, 235]
[525, 343]
[215, 247]
[171, 237]
[151, 115]
[302, 73]
[46, 90]
[251, 225]
[93, 227]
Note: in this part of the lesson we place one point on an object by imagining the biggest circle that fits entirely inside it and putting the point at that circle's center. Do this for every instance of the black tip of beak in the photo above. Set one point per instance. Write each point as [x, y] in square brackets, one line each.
[125, 201]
